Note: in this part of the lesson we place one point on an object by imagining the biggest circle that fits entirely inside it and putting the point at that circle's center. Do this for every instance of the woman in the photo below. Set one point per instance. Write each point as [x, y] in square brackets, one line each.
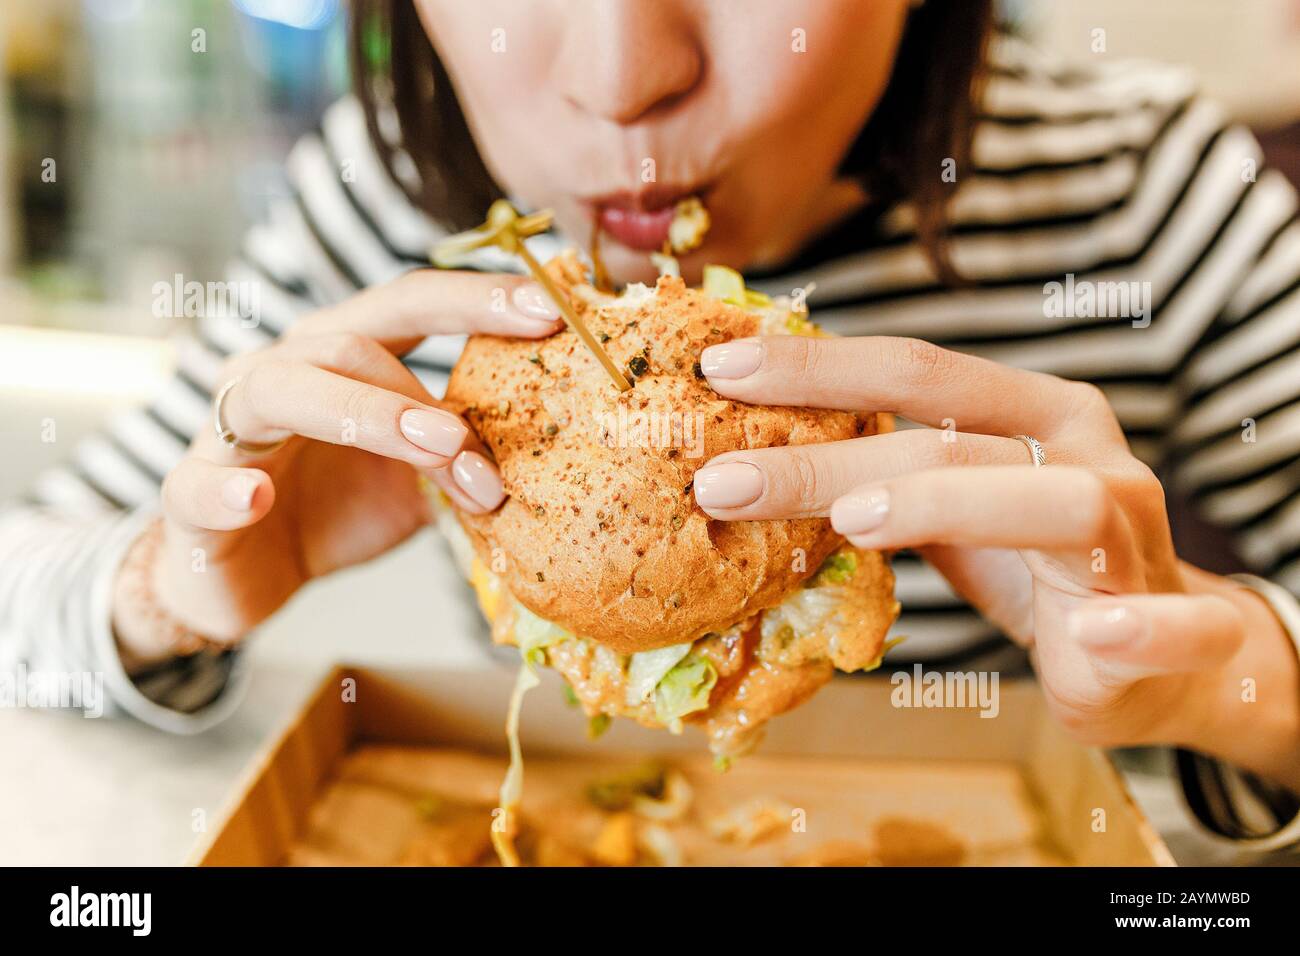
[1086, 270]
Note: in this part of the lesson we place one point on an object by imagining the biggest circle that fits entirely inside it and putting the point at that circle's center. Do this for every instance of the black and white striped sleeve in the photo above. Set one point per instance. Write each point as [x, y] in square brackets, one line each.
[343, 226]
[1237, 446]
[1235, 452]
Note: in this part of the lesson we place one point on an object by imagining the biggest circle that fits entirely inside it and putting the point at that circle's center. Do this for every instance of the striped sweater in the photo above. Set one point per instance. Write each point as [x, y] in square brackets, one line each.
[1118, 181]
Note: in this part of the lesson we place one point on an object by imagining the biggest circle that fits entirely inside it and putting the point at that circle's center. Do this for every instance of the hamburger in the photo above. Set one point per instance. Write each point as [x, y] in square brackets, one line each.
[599, 563]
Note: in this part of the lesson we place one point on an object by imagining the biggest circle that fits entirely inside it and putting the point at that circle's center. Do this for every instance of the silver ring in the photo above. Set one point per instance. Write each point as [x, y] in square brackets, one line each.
[1035, 448]
[228, 437]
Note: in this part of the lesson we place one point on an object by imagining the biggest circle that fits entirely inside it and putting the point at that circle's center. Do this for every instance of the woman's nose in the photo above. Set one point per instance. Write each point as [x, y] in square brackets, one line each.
[623, 58]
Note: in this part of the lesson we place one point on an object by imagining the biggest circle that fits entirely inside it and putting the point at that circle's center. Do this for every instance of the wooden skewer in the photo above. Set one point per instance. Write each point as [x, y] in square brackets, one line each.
[506, 230]
[572, 320]
[599, 277]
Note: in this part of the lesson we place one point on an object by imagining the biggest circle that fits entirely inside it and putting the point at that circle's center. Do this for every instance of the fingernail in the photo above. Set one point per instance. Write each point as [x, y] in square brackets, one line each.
[237, 492]
[431, 430]
[533, 303]
[1106, 627]
[861, 511]
[732, 359]
[478, 478]
[730, 485]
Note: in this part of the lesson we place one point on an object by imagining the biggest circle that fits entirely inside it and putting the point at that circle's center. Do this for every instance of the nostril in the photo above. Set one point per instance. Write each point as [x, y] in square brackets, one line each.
[629, 62]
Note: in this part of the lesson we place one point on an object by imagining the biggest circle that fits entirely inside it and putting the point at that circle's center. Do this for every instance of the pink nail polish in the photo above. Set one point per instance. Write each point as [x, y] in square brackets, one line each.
[732, 484]
[861, 511]
[478, 478]
[732, 359]
[237, 492]
[533, 303]
[432, 430]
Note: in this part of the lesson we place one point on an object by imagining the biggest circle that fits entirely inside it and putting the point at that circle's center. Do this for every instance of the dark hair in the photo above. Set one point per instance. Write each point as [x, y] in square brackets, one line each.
[925, 116]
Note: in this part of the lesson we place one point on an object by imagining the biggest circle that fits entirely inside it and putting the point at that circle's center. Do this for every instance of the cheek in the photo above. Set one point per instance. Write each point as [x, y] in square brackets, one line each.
[794, 114]
[814, 68]
[499, 53]
[510, 114]
[810, 95]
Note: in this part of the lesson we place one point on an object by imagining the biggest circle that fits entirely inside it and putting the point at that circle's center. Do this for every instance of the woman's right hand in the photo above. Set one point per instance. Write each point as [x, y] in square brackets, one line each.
[241, 533]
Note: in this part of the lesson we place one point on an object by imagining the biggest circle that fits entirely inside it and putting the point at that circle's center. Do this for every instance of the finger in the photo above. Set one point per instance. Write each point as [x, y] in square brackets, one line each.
[347, 354]
[1069, 513]
[402, 313]
[916, 379]
[1141, 635]
[355, 356]
[370, 400]
[472, 482]
[802, 481]
[198, 495]
[995, 507]
[276, 399]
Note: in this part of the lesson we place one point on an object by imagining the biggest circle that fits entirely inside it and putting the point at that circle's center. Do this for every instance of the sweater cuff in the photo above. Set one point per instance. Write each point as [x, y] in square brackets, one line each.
[1255, 814]
[185, 695]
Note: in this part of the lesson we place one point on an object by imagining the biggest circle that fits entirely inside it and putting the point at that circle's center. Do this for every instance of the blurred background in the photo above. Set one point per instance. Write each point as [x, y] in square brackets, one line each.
[138, 138]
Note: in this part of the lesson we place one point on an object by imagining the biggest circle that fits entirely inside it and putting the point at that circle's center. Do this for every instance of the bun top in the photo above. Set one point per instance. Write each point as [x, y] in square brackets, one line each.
[600, 532]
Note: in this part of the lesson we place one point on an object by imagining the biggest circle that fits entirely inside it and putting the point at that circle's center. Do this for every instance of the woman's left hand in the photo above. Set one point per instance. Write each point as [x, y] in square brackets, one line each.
[1074, 559]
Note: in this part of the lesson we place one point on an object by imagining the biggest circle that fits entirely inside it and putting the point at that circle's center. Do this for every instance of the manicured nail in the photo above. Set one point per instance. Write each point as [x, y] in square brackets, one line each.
[533, 303]
[861, 511]
[733, 484]
[237, 492]
[432, 430]
[732, 359]
[1106, 628]
[478, 478]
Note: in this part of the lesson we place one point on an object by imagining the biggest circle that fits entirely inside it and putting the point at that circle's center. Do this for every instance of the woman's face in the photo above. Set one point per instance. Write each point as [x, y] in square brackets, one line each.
[611, 110]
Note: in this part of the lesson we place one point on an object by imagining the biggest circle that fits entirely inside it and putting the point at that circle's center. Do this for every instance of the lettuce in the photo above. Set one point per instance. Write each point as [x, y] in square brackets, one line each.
[596, 726]
[647, 668]
[684, 690]
[728, 285]
[885, 648]
[797, 323]
[839, 568]
[534, 634]
[805, 611]
[512, 787]
[725, 284]
[620, 791]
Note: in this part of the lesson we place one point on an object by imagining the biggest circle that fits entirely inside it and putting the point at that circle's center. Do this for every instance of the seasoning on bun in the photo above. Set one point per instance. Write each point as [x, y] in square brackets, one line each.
[601, 565]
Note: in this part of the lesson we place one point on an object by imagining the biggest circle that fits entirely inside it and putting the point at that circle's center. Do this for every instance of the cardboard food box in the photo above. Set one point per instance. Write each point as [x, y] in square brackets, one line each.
[380, 767]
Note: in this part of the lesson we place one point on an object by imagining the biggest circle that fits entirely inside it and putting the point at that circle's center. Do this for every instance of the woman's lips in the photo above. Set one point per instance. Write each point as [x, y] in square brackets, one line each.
[643, 229]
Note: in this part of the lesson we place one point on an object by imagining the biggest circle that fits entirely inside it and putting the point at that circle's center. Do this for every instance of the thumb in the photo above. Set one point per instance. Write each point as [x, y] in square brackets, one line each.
[1142, 635]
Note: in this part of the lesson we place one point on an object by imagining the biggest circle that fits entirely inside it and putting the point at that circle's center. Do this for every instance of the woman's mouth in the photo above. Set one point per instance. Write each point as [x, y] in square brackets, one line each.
[642, 220]
[642, 229]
